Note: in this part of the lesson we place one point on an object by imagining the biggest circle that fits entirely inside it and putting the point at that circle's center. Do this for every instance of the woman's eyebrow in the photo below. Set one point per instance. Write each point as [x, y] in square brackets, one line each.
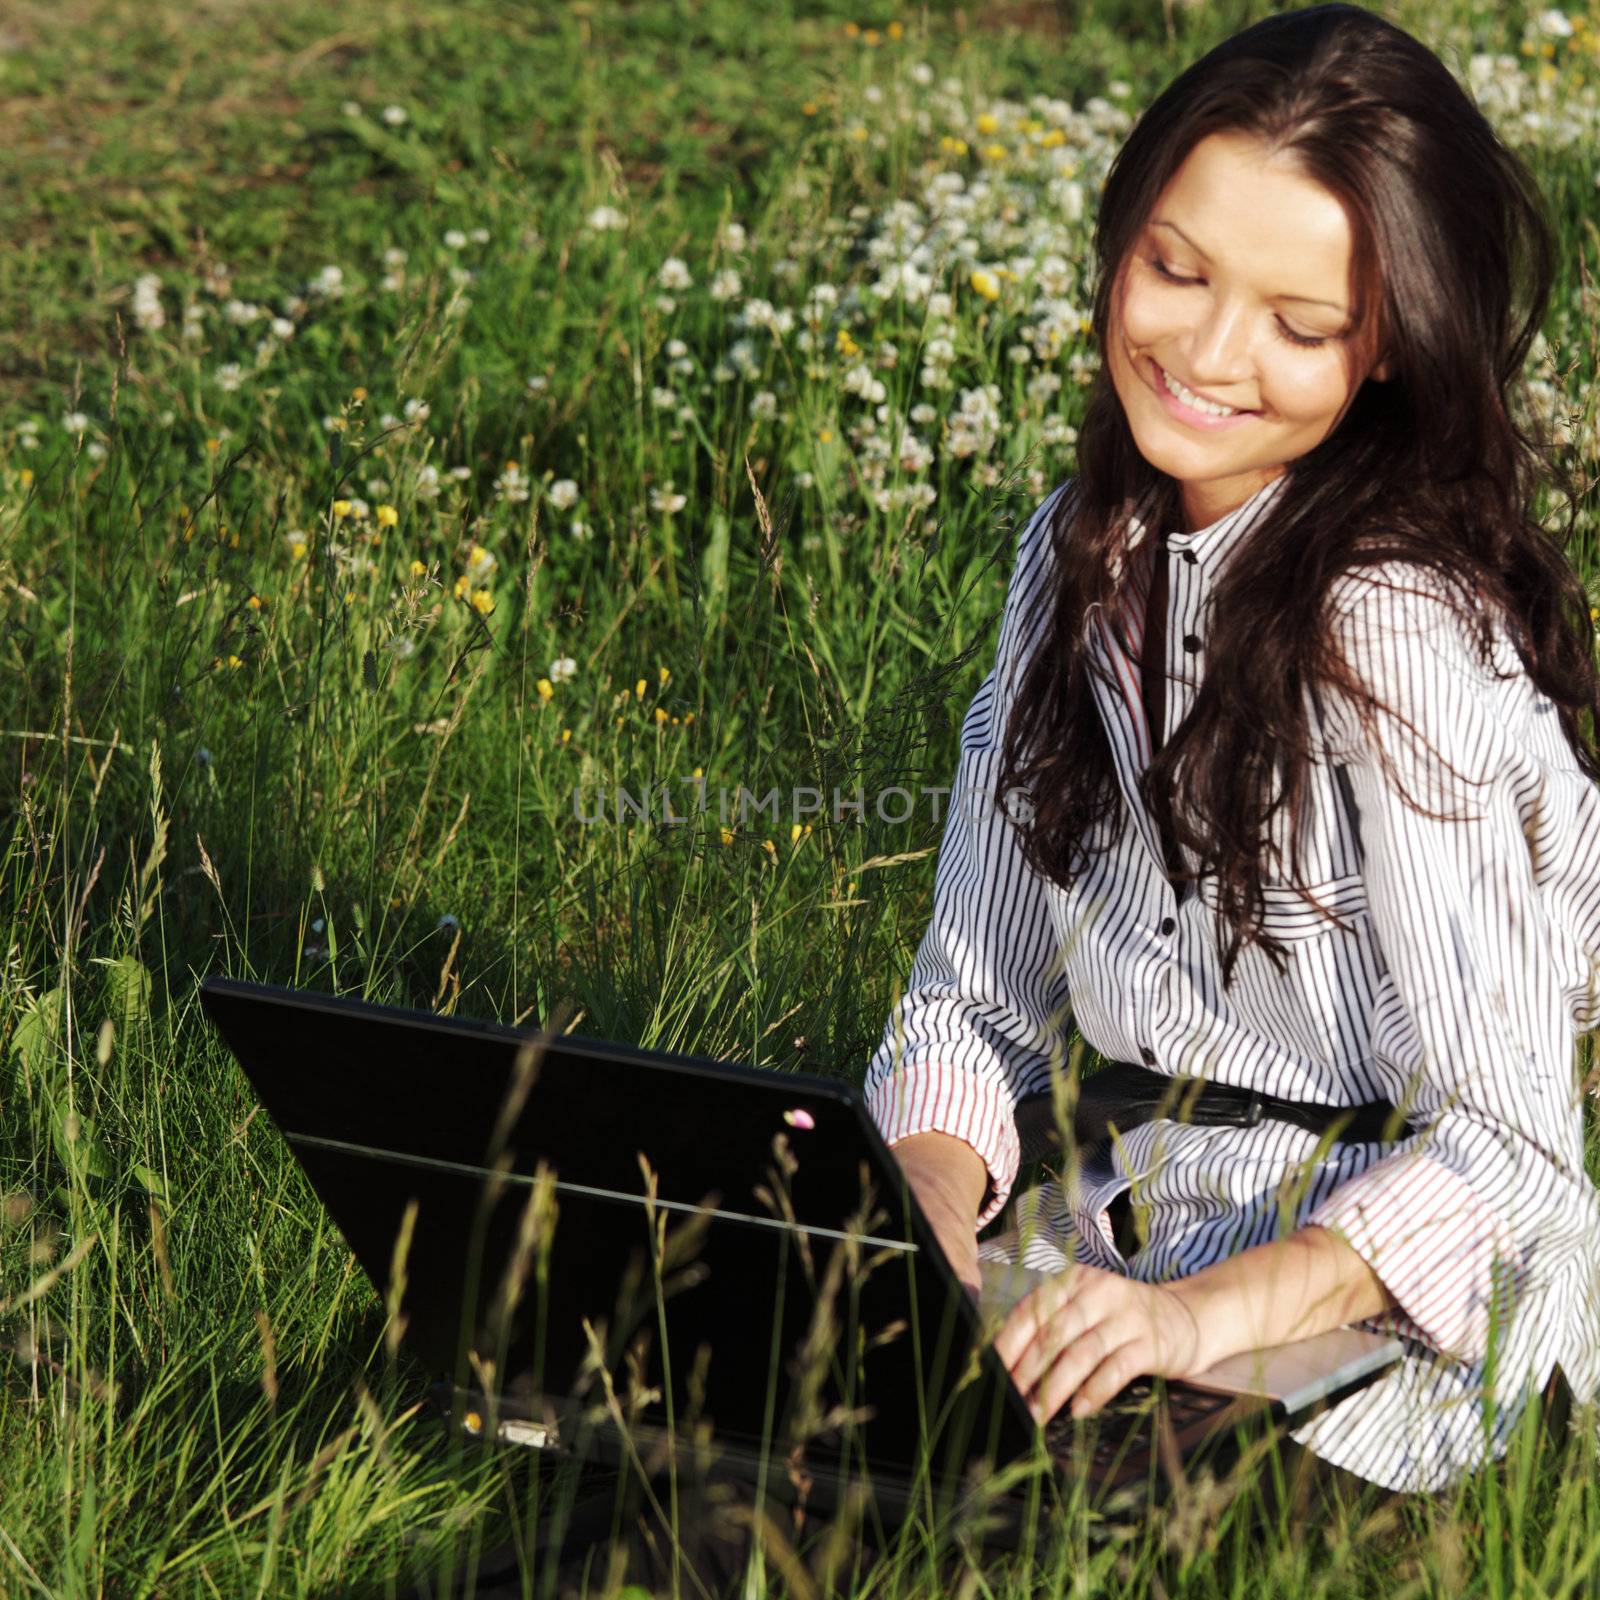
[1305, 298]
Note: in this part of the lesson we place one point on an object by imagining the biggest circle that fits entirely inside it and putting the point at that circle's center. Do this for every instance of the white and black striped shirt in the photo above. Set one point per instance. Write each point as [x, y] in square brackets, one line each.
[1465, 966]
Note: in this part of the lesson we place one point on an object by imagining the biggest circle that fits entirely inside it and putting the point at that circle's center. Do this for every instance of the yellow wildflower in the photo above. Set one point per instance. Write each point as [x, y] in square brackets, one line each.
[26, 475]
[870, 37]
[254, 602]
[859, 134]
[688, 717]
[566, 733]
[341, 509]
[987, 122]
[482, 601]
[358, 394]
[994, 152]
[213, 445]
[665, 675]
[419, 569]
[546, 689]
[639, 689]
[727, 835]
[661, 714]
[852, 30]
[952, 146]
[985, 283]
[895, 31]
[297, 548]
[1051, 138]
[770, 848]
[388, 517]
[809, 109]
[463, 583]
[234, 663]
[825, 436]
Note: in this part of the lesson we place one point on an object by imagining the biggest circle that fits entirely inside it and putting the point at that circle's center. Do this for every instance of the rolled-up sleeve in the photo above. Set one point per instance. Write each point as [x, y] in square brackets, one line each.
[1471, 1031]
[983, 1012]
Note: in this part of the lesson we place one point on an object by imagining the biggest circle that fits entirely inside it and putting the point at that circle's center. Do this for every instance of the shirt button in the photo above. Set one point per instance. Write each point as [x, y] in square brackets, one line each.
[1190, 557]
[1191, 642]
[1167, 924]
[1147, 1055]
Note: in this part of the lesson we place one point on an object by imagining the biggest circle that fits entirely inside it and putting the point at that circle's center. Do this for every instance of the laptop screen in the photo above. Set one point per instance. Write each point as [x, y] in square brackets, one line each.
[728, 1244]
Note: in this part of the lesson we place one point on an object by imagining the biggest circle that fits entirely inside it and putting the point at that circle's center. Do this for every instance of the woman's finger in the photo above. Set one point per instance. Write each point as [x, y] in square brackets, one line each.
[1106, 1380]
[1037, 1328]
[1099, 1346]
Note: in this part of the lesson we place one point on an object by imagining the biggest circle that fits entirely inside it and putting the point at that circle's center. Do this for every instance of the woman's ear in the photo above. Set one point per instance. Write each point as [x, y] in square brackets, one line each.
[1380, 373]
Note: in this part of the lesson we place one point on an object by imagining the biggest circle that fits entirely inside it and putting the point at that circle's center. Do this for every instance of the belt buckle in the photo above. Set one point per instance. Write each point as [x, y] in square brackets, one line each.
[1254, 1111]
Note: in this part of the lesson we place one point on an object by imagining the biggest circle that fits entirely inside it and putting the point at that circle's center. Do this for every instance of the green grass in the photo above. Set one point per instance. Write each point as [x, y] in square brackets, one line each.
[241, 734]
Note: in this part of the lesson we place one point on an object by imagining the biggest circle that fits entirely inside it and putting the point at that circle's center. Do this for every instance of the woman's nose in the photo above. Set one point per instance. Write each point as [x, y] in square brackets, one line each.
[1219, 351]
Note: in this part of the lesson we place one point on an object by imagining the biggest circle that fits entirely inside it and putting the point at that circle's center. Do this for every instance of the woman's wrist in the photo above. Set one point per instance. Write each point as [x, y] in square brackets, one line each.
[1307, 1283]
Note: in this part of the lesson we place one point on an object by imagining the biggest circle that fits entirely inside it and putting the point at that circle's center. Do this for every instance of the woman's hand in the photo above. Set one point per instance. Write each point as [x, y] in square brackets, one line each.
[1085, 1334]
[949, 1179]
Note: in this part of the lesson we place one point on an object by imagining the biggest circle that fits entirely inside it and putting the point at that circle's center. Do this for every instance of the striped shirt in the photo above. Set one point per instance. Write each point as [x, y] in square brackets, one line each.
[1460, 969]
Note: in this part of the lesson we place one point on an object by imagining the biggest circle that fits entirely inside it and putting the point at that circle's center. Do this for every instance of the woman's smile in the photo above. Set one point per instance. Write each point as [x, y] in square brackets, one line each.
[1156, 377]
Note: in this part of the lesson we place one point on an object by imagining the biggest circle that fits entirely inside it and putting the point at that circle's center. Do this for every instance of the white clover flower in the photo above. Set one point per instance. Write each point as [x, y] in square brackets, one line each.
[676, 349]
[378, 488]
[562, 668]
[731, 237]
[393, 115]
[538, 383]
[666, 305]
[858, 380]
[1557, 24]
[282, 328]
[229, 376]
[454, 239]
[359, 509]
[662, 399]
[95, 450]
[605, 217]
[462, 276]
[764, 405]
[480, 563]
[673, 274]
[511, 485]
[563, 494]
[403, 646]
[427, 487]
[351, 108]
[329, 282]
[479, 236]
[804, 480]
[921, 74]
[580, 529]
[726, 284]
[394, 256]
[664, 500]
[241, 313]
[388, 420]
[392, 282]
[147, 312]
[461, 474]
[415, 410]
[75, 422]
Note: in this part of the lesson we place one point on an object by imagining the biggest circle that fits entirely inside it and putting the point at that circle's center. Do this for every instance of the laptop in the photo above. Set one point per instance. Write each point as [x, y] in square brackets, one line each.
[607, 1251]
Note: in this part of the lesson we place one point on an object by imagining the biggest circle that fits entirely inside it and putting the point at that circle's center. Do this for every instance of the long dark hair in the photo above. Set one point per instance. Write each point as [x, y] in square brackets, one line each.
[1454, 257]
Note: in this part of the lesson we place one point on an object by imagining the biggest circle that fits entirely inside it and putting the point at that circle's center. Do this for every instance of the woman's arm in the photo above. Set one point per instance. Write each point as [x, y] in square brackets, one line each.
[1084, 1334]
[982, 1014]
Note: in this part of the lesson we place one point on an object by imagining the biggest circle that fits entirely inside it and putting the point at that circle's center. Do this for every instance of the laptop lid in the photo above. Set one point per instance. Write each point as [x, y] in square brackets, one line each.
[801, 1288]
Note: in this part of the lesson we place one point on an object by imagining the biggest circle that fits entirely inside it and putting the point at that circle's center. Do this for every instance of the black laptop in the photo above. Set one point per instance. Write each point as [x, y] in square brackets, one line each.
[601, 1249]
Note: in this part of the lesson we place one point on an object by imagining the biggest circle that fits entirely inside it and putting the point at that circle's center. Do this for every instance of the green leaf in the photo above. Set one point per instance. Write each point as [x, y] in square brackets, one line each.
[38, 1031]
[151, 1182]
[127, 991]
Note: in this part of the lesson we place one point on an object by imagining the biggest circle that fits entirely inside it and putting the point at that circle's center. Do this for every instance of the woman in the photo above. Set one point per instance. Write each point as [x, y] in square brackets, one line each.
[1334, 836]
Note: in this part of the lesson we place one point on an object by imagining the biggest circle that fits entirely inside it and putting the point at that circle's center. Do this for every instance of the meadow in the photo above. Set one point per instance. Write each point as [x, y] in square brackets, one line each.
[458, 461]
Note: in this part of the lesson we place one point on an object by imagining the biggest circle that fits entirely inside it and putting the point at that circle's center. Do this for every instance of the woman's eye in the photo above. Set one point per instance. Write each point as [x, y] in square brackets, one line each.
[1162, 270]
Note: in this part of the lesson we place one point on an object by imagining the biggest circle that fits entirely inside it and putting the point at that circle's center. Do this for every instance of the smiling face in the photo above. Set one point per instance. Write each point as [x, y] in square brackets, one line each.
[1259, 323]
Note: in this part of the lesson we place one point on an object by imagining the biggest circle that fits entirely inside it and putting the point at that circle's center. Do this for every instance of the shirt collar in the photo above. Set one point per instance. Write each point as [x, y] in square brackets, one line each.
[1208, 544]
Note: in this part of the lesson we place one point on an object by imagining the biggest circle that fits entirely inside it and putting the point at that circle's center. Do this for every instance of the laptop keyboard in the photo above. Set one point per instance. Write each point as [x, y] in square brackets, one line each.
[1124, 1428]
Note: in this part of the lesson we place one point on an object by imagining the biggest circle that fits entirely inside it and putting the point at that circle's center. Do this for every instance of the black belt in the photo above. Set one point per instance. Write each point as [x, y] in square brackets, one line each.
[1127, 1095]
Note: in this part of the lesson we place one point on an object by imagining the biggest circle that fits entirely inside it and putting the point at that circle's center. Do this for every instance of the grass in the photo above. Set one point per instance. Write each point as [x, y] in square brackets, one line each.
[302, 684]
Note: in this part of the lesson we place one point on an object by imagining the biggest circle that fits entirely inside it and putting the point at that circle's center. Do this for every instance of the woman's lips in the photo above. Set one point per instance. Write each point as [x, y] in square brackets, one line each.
[1178, 410]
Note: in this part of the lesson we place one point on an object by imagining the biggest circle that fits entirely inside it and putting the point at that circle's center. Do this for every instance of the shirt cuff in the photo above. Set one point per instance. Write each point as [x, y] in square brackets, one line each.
[930, 1097]
[1434, 1245]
